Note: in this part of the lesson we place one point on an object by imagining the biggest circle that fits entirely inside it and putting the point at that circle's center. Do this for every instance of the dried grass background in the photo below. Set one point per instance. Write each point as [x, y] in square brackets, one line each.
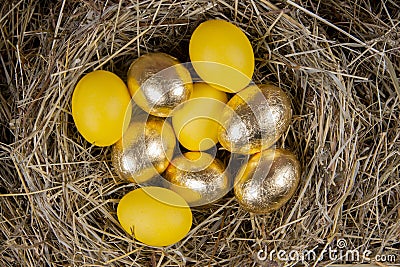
[339, 60]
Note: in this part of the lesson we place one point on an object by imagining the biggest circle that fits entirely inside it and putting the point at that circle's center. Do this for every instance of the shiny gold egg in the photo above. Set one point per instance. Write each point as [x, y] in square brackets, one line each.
[198, 177]
[254, 119]
[158, 83]
[144, 150]
[267, 181]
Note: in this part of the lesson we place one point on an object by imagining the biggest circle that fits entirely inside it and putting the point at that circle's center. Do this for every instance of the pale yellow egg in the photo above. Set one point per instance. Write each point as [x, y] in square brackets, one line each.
[196, 123]
[155, 216]
[101, 107]
[222, 55]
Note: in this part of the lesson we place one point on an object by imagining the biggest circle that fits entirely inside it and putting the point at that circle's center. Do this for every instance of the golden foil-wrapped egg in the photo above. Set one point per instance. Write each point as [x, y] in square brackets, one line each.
[267, 181]
[158, 83]
[254, 119]
[144, 150]
[198, 178]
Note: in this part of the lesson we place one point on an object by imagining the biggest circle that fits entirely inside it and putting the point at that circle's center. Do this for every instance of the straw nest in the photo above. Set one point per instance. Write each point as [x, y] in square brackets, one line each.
[339, 62]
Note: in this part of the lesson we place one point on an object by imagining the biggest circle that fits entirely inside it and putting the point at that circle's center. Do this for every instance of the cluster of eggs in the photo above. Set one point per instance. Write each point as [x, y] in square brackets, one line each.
[196, 105]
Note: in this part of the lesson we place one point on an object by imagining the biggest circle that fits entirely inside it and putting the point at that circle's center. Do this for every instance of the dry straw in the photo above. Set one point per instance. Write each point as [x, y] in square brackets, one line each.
[338, 60]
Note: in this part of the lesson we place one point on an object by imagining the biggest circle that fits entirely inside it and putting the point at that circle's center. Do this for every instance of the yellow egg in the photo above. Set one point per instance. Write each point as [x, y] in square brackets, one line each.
[254, 119]
[221, 54]
[159, 83]
[196, 123]
[144, 150]
[198, 178]
[267, 181]
[155, 216]
[101, 107]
